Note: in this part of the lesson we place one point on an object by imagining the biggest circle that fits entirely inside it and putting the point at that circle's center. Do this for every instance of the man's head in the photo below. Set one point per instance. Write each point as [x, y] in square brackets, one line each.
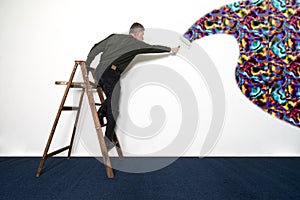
[137, 31]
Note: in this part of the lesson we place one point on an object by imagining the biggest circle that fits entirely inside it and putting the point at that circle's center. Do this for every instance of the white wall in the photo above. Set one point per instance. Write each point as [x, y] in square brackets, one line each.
[40, 39]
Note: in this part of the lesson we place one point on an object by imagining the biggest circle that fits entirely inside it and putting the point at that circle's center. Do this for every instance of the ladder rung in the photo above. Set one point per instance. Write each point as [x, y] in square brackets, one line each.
[98, 104]
[70, 108]
[58, 151]
[73, 84]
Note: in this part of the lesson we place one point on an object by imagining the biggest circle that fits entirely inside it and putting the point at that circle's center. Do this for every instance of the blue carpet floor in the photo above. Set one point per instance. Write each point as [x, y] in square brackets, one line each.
[186, 178]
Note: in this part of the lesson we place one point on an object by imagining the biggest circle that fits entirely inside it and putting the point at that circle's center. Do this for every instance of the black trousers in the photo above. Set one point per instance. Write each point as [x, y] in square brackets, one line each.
[110, 84]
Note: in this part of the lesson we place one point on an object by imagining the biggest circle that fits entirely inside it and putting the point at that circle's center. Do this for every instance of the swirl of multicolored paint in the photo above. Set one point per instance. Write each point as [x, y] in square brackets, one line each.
[268, 68]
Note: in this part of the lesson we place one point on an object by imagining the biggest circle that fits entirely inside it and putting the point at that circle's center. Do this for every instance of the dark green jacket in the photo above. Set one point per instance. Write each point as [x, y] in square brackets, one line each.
[119, 50]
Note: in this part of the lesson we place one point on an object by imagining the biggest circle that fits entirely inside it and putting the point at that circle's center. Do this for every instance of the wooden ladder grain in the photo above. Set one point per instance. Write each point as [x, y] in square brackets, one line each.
[86, 87]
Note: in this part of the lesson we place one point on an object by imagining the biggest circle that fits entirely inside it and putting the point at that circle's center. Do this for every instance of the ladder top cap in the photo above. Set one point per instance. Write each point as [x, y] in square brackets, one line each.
[79, 61]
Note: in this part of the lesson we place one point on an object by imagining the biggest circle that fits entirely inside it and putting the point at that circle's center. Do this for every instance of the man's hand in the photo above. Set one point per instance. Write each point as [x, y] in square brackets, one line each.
[175, 49]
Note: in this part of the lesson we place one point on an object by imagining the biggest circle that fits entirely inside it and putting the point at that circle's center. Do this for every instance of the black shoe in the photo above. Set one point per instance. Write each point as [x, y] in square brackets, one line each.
[109, 144]
[101, 115]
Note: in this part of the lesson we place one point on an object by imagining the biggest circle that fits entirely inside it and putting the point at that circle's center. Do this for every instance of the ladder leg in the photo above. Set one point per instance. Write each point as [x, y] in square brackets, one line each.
[88, 88]
[45, 154]
[99, 90]
[119, 150]
[75, 123]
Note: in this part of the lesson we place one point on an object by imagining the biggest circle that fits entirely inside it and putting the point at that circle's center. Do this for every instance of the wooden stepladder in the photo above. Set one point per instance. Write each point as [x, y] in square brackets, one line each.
[88, 88]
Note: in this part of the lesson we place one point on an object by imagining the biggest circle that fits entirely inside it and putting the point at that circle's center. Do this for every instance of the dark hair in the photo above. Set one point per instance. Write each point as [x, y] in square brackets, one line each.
[136, 27]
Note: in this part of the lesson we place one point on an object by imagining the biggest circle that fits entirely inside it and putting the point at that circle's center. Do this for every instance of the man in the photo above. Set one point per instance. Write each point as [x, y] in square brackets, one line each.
[118, 50]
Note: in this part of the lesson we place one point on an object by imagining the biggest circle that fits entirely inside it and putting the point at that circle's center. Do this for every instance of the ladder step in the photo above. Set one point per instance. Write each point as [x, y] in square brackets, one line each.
[58, 151]
[70, 108]
[73, 84]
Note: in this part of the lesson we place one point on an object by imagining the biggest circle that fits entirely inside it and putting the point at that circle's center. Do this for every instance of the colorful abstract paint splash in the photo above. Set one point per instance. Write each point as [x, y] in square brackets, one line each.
[268, 34]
